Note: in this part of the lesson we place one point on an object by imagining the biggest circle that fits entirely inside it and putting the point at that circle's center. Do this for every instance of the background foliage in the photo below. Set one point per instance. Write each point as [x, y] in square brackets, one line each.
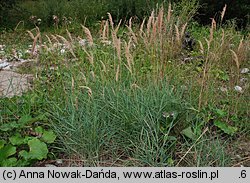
[89, 12]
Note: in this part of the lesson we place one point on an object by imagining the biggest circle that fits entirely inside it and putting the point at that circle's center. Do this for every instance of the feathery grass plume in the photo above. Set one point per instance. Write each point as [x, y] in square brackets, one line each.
[223, 12]
[117, 73]
[88, 34]
[111, 21]
[132, 34]
[118, 26]
[236, 59]
[128, 55]
[160, 19]
[130, 22]
[183, 28]
[201, 47]
[69, 35]
[154, 31]
[31, 34]
[54, 38]
[90, 93]
[149, 24]
[105, 31]
[169, 12]
[142, 26]
[89, 56]
[68, 45]
[177, 34]
[39, 33]
[49, 40]
[35, 38]
[240, 45]
[213, 27]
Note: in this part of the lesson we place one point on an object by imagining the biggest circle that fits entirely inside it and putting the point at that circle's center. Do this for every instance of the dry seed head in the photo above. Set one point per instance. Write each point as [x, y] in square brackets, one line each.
[118, 26]
[141, 27]
[88, 34]
[183, 28]
[49, 40]
[236, 59]
[90, 93]
[128, 56]
[149, 24]
[160, 19]
[223, 12]
[111, 21]
[178, 38]
[240, 45]
[130, 23]
[31, 34]
[169, 12]
[117, 73]
[201, 47]
[213, 27]
[133, 34]
[69, 35]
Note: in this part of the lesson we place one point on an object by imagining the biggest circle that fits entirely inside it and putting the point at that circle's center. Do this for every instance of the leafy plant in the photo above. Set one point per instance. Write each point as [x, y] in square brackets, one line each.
[22, 149]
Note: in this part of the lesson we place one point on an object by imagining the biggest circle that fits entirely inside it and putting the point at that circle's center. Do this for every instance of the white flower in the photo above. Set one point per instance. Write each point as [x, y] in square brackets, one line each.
[62, 51]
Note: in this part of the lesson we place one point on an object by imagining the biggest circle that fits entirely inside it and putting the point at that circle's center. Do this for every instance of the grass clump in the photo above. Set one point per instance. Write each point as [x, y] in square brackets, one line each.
[134, 96]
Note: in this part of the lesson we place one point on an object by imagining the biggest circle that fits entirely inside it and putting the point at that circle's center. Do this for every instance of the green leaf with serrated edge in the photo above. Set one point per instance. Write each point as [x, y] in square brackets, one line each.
[188, 132]
[49, 136]
[2, 142]
[7, 151]
[230, 130]
[16, 139]
[39, 130]
[38, 149]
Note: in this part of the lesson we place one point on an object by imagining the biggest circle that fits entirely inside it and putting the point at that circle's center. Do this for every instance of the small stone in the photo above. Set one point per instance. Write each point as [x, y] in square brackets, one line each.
[243, 80]
[59, 161]
[244, 71]
[238, 89]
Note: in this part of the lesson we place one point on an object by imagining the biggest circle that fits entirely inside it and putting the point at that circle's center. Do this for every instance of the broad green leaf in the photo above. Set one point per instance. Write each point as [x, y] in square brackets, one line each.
[16, 139]
[220, 113]
[38, 149]
[9, 126]
[2, 142]
[39, 130]
[49, 136]
[188, 132]
[230, 130]
[25, 120]
[10, 162]
[24, 154]
[7, 151]
[27, 139]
